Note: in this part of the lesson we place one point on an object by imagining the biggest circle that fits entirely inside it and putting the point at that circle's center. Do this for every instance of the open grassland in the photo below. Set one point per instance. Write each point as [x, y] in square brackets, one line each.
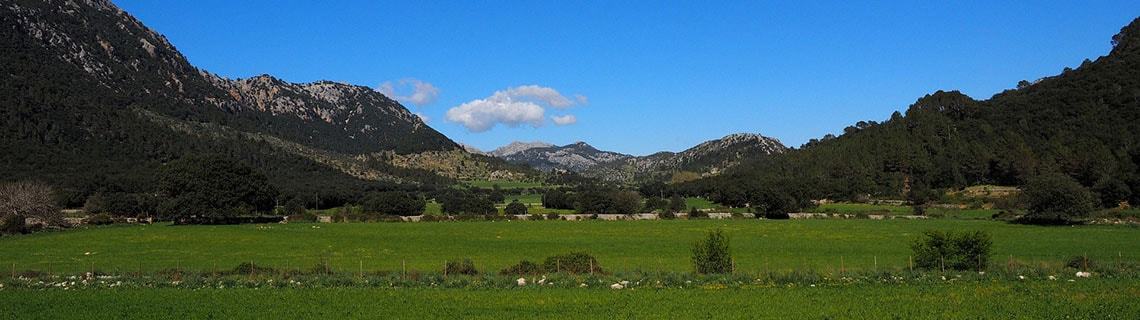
[1092, 299]
[757, 245]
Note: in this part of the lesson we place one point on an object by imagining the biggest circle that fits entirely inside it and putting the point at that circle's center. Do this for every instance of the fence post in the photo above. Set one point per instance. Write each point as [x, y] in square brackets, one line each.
[13, 270]
[942, 263]
[362, 269]
[591, 267]
[910, 263]
[404, 266]
[876, 263]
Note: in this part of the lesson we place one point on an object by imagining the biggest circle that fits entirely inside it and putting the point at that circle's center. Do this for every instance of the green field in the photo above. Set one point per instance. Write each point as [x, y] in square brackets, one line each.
[854, 208]
[1093, 299]
[758, 245]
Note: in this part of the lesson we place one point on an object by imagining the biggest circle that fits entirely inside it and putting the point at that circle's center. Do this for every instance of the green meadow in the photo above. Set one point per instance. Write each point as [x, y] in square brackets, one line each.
[757, 245]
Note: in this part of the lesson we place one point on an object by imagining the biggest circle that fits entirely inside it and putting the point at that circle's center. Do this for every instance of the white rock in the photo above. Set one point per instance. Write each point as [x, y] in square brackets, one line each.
[1021, 277]
[521, 281]
[1052, 278]
[1083, 274]
[616, 286]
[624, 283]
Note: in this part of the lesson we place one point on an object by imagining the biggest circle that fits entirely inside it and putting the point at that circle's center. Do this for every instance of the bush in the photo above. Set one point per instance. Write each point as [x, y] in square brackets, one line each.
[394, 203]
[12, 224]
[957, 251]
[515, 208]
[464, 266]
[523, 267]
[20, 200]
[919, 210]
[466, 203]
[100, 219]
[251, 268]
[573, 263]
[555, 199]
[1056, 199]
[697, 214]
[712, 254]
[553, 216]
[667, 215]
[295, 207]
[1080, 262]
[209, 189]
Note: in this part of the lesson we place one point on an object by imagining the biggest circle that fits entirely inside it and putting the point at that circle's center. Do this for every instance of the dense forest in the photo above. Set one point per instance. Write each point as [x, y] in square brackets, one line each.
[1083, 123]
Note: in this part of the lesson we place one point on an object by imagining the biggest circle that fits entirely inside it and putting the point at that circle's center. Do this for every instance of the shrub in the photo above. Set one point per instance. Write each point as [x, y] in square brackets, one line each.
[777, 215]
[523, 267]
[295, 207]
[515, 208]
[208, 189]
[251, 268]
[1056, 199]
[919, 210]
[1080, 262]
[12, 224]
[676, 203]
[697, 214]
[100, 219]
[712, 255]
[573, 263]
[555, 199]
[20, 200]
[394, 203]
[464, 266]
[535, 217]
[667, 215]
[957, 251]
[553, 216]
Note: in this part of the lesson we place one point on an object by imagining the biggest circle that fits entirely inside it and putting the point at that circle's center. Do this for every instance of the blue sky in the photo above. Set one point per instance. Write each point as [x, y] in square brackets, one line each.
[657, 75]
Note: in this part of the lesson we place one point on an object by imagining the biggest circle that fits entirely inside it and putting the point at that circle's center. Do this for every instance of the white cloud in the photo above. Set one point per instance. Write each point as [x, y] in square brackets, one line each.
[482, 114]
[422, 93]
[582, 99]
[564, 120]
[513, 107]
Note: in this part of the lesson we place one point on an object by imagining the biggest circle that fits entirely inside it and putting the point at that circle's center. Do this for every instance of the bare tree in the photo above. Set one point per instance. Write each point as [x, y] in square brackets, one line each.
[20, 200]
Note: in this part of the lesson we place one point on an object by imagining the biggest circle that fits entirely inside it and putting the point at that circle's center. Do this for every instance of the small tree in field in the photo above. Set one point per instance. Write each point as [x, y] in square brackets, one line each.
[1056, 199]
[936, 250]
[21, 200]
[712, 255]
[515, 208]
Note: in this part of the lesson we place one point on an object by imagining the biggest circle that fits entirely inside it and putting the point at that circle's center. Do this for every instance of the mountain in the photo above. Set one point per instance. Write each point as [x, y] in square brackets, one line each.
[518, 146]
[575, 157]
[709, 158]
[1083, 123]
[706, 159]
[95, 101]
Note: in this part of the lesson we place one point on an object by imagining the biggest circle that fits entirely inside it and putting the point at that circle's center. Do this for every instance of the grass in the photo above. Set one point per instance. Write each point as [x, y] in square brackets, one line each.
[529, 198]
[1093, 299]
[854, 208]
[758, 245]
[699, 203]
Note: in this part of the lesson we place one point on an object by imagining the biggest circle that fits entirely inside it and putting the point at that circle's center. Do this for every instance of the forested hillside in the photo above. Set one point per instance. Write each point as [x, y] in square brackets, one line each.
[93, 101]
[1083, 123]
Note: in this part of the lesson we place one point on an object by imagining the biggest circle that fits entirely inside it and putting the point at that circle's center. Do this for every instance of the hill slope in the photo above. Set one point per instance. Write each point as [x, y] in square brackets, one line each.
[1084, 123]
[94, 100]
